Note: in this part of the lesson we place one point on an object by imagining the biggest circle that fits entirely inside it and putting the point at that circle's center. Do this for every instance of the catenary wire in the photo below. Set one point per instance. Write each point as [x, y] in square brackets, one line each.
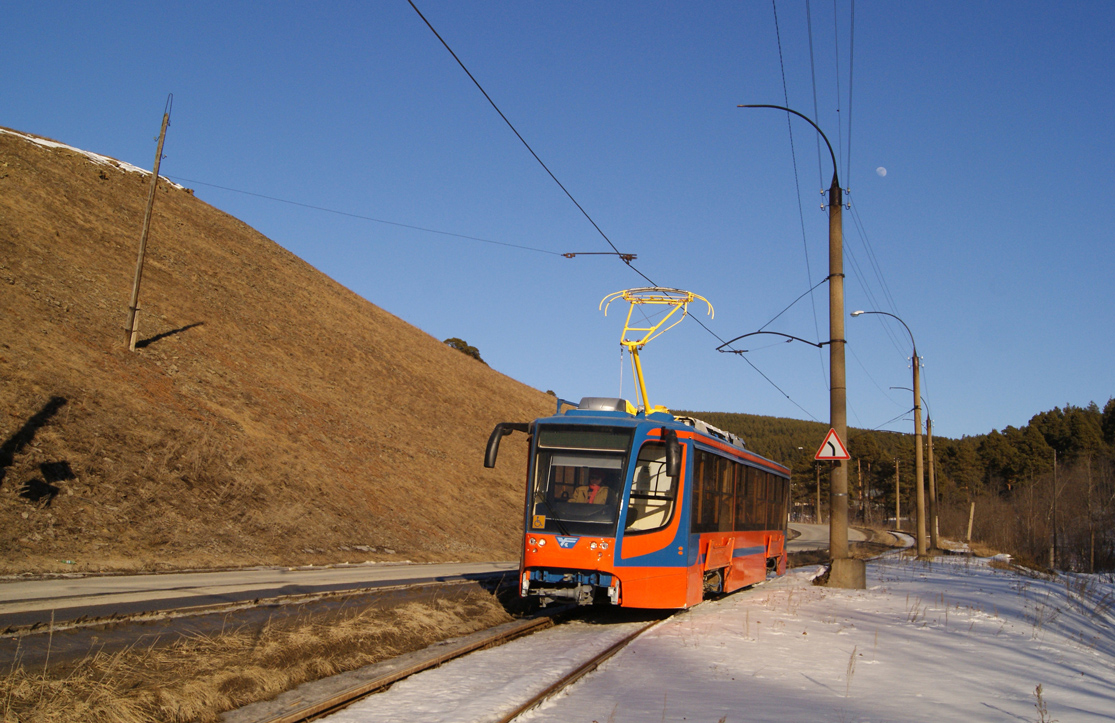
[797, 188]
[813, 76]
[520, 137]
[839, 119]
[851, 80]
[578, 205]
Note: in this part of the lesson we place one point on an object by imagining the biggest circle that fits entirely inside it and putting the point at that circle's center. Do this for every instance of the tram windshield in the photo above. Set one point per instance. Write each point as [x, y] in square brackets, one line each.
[578, 479]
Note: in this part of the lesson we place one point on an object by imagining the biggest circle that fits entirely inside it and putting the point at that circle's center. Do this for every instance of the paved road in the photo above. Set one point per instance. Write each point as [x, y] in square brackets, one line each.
[816, 537]
[25, 602]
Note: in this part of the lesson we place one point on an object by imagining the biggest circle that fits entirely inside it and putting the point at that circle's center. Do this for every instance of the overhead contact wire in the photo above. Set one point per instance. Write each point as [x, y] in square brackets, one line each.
[521, 139]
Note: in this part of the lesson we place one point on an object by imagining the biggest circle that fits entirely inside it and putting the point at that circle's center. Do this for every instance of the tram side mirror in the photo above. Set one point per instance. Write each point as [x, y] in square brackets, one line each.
[502, 430]
[673, 452]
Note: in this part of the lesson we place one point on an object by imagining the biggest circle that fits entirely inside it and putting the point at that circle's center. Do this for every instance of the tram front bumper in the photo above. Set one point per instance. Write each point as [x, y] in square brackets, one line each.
[583, 587]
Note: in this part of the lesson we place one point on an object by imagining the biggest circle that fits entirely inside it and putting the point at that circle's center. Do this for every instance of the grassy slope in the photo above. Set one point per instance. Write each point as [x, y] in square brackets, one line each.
[272, 416]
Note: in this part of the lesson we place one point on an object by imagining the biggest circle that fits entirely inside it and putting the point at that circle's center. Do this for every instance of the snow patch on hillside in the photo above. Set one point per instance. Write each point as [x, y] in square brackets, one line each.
[95, 157]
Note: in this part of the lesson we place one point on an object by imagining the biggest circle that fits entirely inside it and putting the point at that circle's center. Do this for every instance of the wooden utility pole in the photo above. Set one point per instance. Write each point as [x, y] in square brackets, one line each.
[859, 483]
[132, 327]
[933, 532]
[1053, 542]
[897, 499]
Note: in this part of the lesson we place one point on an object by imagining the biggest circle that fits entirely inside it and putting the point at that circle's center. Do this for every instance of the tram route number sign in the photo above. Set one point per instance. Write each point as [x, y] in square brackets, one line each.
[832, 448]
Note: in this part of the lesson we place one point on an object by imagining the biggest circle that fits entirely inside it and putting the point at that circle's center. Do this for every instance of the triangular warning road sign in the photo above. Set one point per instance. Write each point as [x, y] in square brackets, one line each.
[832, 448]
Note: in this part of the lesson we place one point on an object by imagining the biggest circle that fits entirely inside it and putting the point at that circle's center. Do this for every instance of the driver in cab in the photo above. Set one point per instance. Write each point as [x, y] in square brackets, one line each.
[594, 493]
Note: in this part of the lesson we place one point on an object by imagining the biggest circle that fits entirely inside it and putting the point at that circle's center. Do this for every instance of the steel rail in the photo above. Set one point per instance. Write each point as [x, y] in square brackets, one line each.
[576, 675]
[307, 707]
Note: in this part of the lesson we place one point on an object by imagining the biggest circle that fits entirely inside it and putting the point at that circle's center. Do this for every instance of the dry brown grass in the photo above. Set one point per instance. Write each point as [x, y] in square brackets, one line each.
[271, 417]
[197, 678]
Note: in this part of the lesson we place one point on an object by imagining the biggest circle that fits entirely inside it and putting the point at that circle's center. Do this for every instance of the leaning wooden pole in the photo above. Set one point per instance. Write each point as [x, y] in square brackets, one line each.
[132, 327]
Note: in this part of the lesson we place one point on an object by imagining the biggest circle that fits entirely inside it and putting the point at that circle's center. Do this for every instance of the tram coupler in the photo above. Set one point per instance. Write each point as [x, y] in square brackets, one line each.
[582, 588]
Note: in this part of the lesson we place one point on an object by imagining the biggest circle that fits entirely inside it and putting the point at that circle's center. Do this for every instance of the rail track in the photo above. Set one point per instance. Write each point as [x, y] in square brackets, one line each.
[317, 700]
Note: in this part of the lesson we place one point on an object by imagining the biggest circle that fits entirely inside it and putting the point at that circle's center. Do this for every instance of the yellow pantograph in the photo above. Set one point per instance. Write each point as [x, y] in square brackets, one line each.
[676, 299]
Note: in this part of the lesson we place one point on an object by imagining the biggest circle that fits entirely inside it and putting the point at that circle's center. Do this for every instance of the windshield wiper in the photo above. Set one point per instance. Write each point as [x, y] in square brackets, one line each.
[554, 517]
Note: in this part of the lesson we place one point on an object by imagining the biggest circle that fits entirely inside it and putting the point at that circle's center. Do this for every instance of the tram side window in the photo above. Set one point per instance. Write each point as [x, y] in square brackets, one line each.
[653, 493]
[741, 496]
[724, 477]
[762, 500]
[704, 517]
[746, 501]
[783, 490]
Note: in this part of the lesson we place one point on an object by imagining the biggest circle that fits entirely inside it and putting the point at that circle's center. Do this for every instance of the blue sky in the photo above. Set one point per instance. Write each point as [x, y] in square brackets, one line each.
[989, 234]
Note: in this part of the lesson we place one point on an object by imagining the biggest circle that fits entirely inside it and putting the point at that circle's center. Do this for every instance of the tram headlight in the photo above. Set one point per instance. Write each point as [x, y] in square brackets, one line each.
[603, 545]
[592, 545]
[542, 542]
[532, 541]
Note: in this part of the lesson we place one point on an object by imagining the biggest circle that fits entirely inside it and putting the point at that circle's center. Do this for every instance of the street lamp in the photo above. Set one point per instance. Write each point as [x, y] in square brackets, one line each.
[918, 464]
[934, 532]
[845, 571]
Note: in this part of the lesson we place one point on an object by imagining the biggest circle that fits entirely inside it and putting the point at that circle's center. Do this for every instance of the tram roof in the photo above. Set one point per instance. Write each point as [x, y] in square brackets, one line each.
[615, 410]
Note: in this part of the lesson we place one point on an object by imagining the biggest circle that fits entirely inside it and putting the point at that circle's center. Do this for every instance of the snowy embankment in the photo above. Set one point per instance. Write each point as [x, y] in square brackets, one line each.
[952, 640]
[957, 639]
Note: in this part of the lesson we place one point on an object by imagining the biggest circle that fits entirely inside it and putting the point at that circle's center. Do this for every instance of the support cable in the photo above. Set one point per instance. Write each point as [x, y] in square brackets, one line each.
[895, 419]
[810, 291]
[365, 218]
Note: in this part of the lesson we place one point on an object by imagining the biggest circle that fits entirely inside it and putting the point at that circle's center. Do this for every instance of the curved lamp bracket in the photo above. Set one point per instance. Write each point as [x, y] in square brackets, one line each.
[789, 338]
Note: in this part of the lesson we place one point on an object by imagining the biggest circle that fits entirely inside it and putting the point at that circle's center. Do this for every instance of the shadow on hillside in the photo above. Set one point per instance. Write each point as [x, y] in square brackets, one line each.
[43, 491]
[15, 444]
[151, 340]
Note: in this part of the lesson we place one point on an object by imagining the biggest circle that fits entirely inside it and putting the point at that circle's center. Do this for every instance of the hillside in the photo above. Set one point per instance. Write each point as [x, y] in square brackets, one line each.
[268, 415]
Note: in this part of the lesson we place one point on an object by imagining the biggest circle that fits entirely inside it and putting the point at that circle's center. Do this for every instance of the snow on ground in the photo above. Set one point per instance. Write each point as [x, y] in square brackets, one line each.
[951, 640]
[489, 684]
[957, 639]
[95, 157]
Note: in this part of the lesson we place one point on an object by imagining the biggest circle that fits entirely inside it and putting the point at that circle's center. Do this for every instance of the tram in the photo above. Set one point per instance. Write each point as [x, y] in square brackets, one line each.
[644, 510]
[640, 508]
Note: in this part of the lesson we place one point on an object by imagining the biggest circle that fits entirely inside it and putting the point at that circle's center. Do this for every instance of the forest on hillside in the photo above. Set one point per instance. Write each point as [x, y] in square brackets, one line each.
[1044, 492]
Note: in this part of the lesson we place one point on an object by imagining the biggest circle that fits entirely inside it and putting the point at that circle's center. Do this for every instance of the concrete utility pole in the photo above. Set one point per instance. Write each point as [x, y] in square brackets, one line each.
[132, 327]
[919, 470]
[845, 571]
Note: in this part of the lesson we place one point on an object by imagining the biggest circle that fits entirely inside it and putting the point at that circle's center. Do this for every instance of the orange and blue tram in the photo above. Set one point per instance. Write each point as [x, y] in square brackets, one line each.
[644, 510]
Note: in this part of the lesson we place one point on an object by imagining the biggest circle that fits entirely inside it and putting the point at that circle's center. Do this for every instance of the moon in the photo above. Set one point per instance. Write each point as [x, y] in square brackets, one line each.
[881, 171]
